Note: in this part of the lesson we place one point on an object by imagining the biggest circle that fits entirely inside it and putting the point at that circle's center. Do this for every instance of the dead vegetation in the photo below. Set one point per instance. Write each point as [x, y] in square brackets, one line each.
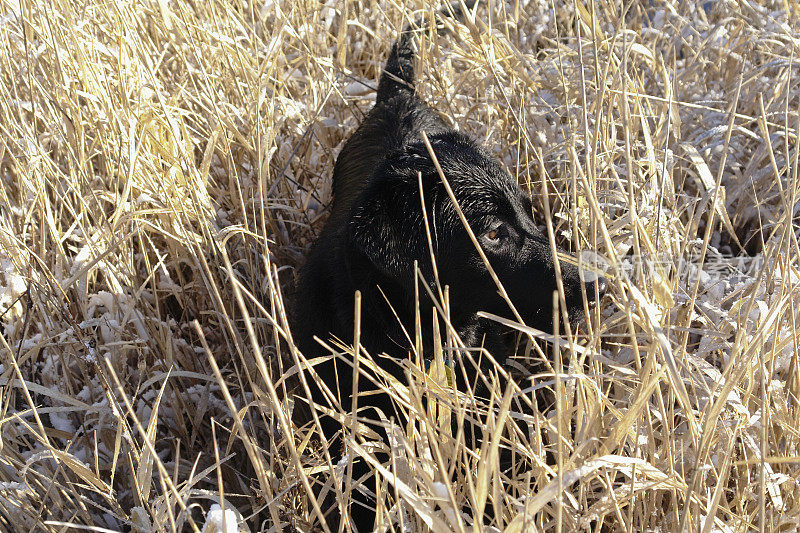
[165, 164]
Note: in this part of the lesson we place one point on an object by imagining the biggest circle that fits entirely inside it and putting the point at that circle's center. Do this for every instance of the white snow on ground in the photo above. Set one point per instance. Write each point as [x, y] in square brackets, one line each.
[219, 521]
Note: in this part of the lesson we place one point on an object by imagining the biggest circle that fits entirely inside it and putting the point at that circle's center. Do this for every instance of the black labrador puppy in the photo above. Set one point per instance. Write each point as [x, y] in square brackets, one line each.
[376, 233]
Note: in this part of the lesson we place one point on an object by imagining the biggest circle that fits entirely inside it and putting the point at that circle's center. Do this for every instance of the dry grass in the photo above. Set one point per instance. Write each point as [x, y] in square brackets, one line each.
[165, 164]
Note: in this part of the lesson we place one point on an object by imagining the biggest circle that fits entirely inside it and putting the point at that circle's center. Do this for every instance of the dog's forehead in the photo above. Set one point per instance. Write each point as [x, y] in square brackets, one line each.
[479, 181]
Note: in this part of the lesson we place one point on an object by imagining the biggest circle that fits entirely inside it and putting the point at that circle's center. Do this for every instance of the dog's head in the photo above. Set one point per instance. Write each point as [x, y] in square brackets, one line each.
[388, 227]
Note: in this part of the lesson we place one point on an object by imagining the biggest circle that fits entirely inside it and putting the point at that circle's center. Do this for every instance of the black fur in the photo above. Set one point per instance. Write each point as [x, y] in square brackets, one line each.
[376, 232]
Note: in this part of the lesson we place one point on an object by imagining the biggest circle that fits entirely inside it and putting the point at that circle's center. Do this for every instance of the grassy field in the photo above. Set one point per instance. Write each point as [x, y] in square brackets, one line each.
[164, 166]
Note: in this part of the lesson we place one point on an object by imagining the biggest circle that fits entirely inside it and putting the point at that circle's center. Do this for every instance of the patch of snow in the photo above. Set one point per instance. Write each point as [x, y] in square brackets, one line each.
[219, 521]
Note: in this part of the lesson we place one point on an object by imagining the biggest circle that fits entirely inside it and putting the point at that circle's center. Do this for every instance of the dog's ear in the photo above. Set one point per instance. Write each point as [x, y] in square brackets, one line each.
[386, 223]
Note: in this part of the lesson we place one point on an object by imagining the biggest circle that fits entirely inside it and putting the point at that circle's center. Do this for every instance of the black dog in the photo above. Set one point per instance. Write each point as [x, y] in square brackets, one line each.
[376, 233]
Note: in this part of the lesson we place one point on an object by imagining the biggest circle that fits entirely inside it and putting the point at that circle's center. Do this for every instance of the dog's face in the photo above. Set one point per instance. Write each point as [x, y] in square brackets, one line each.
[388, 227]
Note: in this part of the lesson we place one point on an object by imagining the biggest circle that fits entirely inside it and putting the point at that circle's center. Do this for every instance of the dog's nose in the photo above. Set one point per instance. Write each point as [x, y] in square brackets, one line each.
[598, 288]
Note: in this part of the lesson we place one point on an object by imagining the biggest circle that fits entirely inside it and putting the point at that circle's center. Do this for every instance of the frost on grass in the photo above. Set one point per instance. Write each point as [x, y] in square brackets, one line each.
[165, 166]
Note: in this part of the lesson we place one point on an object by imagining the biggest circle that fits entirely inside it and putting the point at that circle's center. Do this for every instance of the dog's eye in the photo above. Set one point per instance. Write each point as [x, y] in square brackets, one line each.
[496, 234]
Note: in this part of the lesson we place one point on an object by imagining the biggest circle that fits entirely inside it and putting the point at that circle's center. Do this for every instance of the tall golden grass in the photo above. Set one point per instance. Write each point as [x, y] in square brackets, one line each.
[164, 166]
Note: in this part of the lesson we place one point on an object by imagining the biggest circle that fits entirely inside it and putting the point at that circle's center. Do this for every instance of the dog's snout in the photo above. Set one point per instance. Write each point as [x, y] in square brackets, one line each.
[596, 290]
